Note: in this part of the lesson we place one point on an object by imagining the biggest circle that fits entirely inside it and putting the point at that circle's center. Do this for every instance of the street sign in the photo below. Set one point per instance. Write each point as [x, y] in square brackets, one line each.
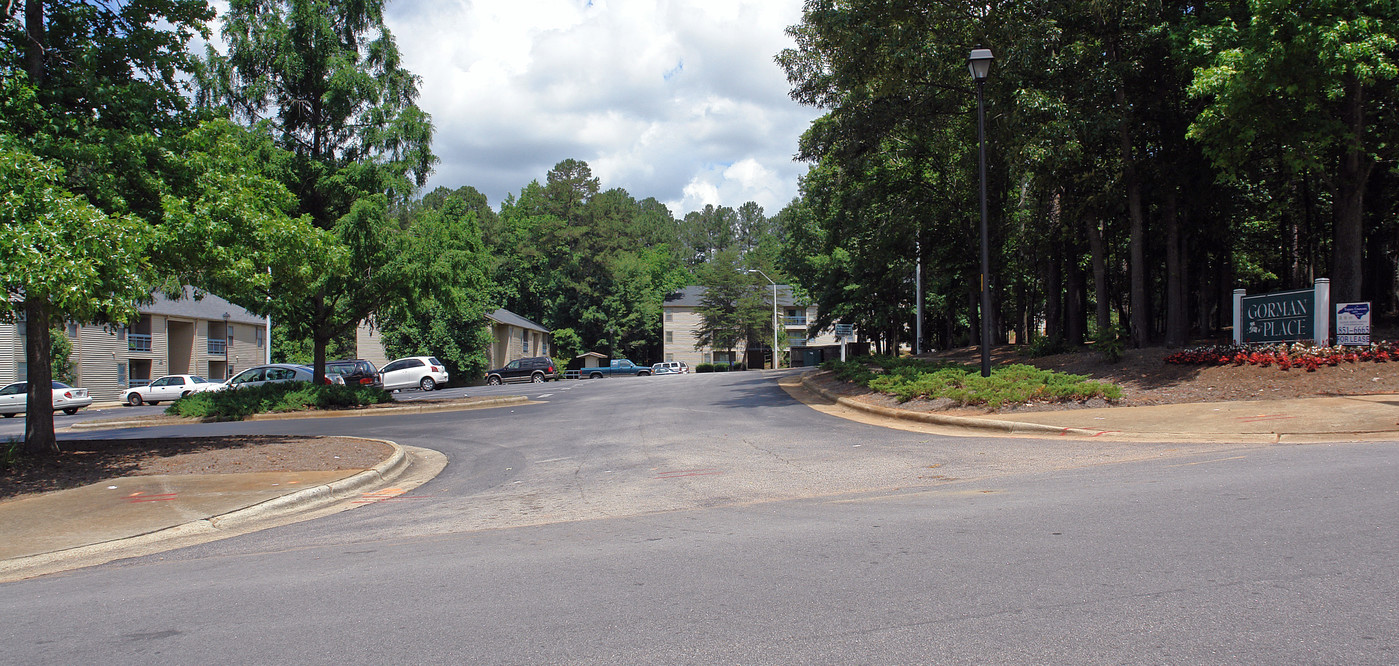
[845, 331]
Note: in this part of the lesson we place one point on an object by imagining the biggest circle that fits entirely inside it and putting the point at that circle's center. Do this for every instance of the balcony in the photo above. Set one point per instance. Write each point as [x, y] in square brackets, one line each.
[138, 342]
[792, 322]
[218, 347]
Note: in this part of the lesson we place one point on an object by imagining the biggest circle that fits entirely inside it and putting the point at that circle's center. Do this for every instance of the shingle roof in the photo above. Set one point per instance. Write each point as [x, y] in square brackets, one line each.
[208, 306]
[503, 316]
[691, 297]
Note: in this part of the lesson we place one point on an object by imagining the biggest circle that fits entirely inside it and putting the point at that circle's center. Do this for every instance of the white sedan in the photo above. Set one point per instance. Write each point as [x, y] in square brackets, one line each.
[422, 372]
[169, 387]
[14, 398]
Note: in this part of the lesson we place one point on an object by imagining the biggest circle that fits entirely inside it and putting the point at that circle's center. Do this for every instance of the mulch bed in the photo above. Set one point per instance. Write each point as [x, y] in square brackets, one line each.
[82, 462]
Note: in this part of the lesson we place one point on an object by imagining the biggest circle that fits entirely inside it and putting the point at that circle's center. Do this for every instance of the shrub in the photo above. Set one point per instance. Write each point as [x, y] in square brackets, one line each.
[1110, 343]
[237, 404]
[1046, 346]
[1286, 356]
[908, 379]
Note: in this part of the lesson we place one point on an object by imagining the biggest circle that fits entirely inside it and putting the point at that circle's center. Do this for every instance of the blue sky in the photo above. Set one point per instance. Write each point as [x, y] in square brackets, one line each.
[679, 100]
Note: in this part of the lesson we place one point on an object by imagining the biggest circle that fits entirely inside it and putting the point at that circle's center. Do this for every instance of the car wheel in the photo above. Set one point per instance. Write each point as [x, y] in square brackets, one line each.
[74, 410]
[537, 378]
[427, 384]
[643, 373]
[133, 399]
[595, 375]
[493, 380]
[185, 394]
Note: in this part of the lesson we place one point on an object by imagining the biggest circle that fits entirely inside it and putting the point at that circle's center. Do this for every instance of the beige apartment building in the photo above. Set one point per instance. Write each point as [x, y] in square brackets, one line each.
[681, 318]
[512, 336]
[209, 337]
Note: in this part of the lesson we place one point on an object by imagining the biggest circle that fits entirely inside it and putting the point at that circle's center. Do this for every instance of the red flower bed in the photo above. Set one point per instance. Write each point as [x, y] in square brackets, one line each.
[1286, 357]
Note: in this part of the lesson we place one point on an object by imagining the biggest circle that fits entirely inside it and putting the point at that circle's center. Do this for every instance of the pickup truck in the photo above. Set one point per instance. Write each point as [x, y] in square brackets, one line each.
[619, 367]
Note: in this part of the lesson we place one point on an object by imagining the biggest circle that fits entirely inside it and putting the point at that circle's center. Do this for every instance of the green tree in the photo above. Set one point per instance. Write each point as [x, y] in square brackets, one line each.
[62, 259]
[326, 77]
[447, 317]
[102, 162]
[733, 308]
[1314, 85]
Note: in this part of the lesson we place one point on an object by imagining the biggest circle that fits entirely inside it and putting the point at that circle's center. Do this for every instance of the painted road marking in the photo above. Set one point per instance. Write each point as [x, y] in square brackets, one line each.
[386, 495]
[142, 497]
[687, 472]
[1202, 462]
[545, 395]
[1263, 417]
[538, 462]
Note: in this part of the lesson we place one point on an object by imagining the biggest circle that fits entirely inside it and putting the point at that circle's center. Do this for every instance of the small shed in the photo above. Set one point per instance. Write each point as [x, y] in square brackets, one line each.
[590, 360]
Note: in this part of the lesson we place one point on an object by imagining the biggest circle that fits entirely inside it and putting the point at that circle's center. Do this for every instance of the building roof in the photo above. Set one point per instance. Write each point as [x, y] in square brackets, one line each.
[200, 305]
[692, 297]
[503, 316]
[593, 354]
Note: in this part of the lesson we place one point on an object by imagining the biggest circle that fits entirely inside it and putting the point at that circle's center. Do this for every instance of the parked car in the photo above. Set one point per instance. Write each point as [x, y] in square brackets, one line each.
[355, 372]
[670, 368]
[14, 398]
[620, 366]
[268, 374]
[169, 387]
[424, 372]
[537, 369]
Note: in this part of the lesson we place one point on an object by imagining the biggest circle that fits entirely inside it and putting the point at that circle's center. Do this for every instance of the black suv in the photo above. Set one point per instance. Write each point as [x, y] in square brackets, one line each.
[355, 372]
[537, 369]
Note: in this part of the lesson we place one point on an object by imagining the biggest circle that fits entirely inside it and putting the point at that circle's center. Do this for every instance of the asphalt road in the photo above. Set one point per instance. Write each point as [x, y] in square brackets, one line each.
[713, 519]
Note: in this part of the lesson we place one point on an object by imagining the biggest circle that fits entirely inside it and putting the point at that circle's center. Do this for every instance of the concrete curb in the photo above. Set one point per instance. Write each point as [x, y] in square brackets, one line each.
[326, 414]
[317, 496]
[302, 500]
[1014, 427]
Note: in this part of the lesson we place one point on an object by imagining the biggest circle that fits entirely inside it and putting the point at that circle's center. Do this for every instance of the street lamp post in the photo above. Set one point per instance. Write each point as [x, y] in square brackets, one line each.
[979, 63]
[775, 364]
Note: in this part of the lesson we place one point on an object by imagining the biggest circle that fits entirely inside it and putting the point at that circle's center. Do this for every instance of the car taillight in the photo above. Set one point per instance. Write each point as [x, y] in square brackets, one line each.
[551, 368]
[68, 394]
[434, 368]
[366, 380]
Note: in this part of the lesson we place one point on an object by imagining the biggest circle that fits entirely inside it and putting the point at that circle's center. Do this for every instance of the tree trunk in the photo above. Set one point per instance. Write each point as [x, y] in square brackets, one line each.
[1355, 168]
[1102, 314]
[1176, 323]
[1053, 283]
[38, 422]
[34, 42]
[1140, 309]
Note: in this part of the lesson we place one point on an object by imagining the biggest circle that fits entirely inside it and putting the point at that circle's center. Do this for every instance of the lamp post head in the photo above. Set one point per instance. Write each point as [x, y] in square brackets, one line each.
[979, 63]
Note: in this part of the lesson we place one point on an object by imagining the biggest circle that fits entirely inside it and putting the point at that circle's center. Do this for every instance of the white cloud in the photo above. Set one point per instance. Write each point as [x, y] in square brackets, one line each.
[678, 100]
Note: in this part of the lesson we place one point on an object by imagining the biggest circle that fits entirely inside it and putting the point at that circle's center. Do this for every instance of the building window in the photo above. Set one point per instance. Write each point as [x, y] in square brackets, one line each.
[524, 342]
[670, 358]
[670, 337]
[121, 375]
[73, 329]
[22, 372]
[544, 348]
[260, 333]
[669, 316]
[704, 358]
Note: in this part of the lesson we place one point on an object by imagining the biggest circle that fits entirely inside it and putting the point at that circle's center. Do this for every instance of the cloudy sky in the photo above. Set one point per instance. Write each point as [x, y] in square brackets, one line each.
[674, 99]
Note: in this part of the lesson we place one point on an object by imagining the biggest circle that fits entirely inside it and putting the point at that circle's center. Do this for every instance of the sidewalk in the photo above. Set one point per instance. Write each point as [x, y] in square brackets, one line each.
[130, 515]
[1321, 419]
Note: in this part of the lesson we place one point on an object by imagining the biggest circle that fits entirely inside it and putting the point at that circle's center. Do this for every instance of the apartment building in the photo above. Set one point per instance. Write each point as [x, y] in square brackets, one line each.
[209, 337]
[681, 318]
